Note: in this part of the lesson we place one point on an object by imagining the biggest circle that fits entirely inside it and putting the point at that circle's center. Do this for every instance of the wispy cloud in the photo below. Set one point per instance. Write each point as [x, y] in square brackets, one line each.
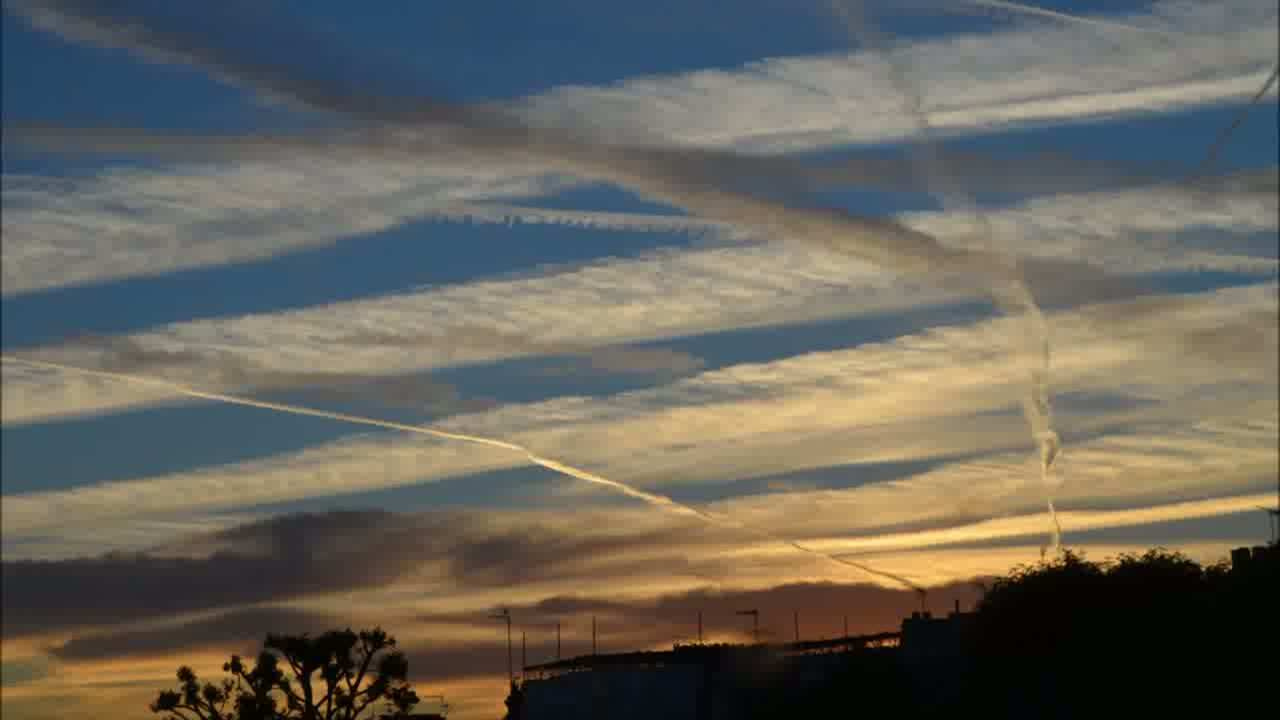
[894, 401]
[668, 295]
[220, 214]
[979, 82]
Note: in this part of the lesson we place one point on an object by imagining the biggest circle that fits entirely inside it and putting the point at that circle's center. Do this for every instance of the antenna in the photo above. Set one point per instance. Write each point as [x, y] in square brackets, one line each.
[755, 623]
[924, 594]
[505, 614]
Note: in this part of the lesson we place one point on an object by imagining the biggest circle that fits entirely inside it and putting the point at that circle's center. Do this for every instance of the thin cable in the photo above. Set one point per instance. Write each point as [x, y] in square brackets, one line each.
[654, 499]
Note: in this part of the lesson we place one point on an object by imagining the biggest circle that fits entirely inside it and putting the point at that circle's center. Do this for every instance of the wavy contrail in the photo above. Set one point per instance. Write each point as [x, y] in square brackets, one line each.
[1016, 298]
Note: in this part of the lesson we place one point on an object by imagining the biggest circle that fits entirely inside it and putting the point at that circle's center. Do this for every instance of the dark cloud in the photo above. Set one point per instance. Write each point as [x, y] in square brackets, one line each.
[293, 556]
[622, 625]
[287, 557]
[538, 552]
[239, 631]
[277, 559]
[633, 624]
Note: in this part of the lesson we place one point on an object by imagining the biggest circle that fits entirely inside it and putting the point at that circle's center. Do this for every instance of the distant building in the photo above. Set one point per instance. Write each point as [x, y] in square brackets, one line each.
[688, 682]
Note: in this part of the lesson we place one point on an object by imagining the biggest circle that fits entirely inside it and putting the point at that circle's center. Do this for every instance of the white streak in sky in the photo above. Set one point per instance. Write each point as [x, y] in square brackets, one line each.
[655, 499]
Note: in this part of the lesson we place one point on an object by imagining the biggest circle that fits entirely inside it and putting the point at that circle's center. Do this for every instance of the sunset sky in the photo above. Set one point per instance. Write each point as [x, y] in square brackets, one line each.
[662, 378]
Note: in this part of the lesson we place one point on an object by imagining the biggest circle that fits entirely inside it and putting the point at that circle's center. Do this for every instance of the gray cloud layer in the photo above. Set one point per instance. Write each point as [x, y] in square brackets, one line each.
[294, 556]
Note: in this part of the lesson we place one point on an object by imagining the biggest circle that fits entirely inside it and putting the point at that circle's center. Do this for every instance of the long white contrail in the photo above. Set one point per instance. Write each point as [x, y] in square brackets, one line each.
[679, 178]
[657, 500]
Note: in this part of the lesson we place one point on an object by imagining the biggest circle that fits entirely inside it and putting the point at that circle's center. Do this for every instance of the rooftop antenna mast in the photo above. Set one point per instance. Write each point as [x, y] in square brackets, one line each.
[755, 623]
[505, 614]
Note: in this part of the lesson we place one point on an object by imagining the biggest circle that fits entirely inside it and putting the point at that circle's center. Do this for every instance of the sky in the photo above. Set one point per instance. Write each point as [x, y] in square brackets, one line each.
[316, 316]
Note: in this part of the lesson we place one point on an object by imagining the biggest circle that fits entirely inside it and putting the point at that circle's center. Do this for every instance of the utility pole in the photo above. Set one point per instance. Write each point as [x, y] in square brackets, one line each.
[593, 636]
[557, 640]
[846, 626]
[699, 627]
[796, 619]
[524, 660]
[506, 615]
[755, 623]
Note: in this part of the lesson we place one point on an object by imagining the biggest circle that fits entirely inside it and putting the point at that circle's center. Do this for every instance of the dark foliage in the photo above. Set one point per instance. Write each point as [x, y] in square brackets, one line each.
[1150, 635]
[339, 675]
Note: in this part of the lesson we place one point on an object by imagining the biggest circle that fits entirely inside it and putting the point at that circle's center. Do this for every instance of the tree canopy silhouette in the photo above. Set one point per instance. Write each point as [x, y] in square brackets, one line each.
[1140, 635]
[339, 675]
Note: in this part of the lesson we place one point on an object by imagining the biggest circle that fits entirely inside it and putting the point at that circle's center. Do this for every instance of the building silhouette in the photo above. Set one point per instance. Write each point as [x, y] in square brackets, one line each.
[960, 663]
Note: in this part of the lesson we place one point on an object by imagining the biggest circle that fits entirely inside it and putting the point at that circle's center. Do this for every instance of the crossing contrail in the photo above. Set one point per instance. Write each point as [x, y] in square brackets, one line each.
[655, 499]
[691, 180]
[1015, 298]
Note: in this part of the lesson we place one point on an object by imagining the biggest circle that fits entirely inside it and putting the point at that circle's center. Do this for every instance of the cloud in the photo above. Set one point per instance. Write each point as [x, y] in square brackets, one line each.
[924, 396]
[134, 222]
[622, 625]
[271, 560]
[46, 243]
[678, 293]
[241, 630]
[292, 557]
[1027, 74]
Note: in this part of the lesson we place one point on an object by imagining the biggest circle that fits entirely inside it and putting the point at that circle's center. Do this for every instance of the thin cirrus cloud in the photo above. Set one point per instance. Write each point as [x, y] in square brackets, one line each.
[990, 81]
[905, 455]
[45, 237]
[665, 295]
[900, 402]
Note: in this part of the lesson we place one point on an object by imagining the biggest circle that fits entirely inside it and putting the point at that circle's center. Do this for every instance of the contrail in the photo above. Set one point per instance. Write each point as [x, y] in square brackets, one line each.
[680, 178]
[654, 499]
[1036, 10]
[1016, 299]
[673, 176]
[1035, 173]
[1220, 141]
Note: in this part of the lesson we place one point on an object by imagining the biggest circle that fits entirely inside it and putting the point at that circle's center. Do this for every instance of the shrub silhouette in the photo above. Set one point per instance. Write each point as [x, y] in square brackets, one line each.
[339, 675]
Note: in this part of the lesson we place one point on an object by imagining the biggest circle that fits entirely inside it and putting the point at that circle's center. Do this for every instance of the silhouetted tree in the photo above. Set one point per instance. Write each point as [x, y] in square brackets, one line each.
[339, 675]
[1133, 626]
